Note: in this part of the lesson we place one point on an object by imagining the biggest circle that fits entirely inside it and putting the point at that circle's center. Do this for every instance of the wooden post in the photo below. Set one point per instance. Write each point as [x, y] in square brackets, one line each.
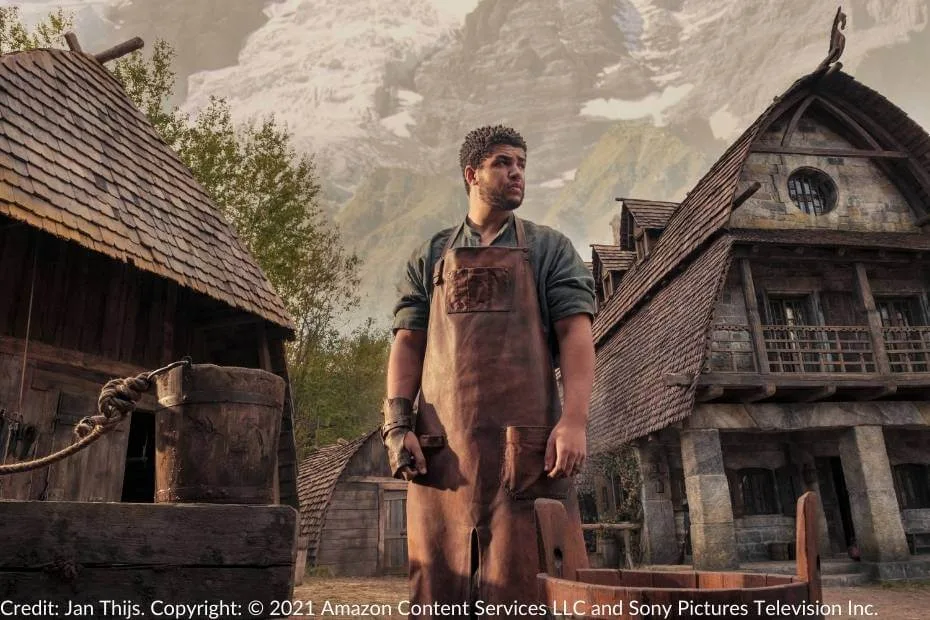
[72, 41]
[117, 51]
[755, 321]
[875, 321]
[807, 554]
[264, 353]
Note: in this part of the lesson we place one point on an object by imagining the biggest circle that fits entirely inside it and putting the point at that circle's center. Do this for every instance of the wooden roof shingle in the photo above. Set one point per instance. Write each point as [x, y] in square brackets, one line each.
[612, 258]
[649, 213]
[79, 161]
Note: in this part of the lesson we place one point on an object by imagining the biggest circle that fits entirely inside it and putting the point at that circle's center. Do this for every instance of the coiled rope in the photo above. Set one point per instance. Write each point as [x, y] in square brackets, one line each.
[117, 400]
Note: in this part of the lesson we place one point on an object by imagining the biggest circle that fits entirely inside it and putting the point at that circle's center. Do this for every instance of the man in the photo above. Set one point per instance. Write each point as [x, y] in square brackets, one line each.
[485, 309]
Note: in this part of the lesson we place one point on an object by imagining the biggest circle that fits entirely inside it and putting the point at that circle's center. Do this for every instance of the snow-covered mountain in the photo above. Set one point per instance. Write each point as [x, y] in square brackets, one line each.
[382, 93]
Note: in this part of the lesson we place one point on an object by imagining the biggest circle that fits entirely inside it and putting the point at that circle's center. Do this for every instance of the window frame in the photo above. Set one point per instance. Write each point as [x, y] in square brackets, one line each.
[813, 181]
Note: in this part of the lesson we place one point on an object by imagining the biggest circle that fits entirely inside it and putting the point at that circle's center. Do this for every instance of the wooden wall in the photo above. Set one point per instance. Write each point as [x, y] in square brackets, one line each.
[93, 319]
[349, 541]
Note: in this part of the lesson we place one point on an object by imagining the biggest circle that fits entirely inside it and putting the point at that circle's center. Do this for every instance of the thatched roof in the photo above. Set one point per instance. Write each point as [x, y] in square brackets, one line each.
[79, 161]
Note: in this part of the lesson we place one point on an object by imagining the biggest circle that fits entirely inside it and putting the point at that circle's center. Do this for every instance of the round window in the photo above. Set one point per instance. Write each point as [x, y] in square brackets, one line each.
[812, 190]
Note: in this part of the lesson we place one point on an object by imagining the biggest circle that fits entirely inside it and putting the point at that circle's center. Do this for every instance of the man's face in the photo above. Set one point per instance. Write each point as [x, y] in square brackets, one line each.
[500, 177]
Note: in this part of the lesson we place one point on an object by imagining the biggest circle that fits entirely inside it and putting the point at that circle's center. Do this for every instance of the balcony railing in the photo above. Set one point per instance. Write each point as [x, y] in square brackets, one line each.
[908, 348]
[817, 349]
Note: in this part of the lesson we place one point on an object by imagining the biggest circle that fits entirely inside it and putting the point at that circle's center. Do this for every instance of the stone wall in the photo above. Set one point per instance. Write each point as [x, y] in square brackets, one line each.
[754, 533]
[732, 349]
[916, 521]
[866, 198]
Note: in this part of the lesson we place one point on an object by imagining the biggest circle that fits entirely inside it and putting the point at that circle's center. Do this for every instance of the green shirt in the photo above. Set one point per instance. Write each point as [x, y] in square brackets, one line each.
[564, 285]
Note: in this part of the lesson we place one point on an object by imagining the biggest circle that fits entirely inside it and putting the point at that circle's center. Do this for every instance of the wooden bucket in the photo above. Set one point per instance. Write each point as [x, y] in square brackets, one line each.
[570, 589]
[216, 435]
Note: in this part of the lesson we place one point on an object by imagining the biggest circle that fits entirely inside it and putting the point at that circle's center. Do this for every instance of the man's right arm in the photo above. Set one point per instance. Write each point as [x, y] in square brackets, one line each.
[405, 365]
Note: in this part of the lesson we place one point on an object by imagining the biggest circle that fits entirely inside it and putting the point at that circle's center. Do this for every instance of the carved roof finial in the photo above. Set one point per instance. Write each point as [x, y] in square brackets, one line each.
[837, 40]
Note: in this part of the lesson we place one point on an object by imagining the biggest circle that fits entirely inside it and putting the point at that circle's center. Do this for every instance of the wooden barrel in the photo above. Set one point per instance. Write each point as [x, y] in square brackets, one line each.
[570, 589]
[216, 435]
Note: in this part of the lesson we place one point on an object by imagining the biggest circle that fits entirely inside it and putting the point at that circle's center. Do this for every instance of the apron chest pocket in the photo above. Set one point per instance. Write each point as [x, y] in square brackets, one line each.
[522, 466]
[479, 289]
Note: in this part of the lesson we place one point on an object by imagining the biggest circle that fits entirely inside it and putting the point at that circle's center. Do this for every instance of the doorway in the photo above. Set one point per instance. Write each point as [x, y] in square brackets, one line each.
[139, 474]
[835, 498]
[394, 532]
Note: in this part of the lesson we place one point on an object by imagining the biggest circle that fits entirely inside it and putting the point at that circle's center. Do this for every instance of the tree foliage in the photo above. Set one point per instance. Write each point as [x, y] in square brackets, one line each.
[268, 192]
[14, 35]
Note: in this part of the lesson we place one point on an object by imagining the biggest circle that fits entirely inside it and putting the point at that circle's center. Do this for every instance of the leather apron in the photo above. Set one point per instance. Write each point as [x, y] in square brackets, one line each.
[488, 401]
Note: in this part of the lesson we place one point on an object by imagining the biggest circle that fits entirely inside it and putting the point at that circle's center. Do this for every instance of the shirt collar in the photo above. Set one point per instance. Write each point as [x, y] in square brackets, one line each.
[474, 234]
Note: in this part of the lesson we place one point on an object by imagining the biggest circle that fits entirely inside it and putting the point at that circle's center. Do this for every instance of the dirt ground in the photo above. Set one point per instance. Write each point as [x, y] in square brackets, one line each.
[898, 602]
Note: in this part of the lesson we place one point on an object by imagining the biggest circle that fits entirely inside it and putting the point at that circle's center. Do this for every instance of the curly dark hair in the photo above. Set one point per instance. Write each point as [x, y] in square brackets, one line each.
[479, 143]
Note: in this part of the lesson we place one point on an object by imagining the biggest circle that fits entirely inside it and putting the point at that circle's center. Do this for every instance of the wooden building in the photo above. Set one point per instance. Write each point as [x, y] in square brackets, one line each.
[352, 512]
[771, 335]
[113, 261]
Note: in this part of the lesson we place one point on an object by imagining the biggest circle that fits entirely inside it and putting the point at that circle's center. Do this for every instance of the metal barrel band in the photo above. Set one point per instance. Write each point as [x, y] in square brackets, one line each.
[216, 396]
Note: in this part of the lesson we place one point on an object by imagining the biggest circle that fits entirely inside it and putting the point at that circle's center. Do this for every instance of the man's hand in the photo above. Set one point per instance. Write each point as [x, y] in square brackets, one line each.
[419, 461]
[403, 447]
[566, 449]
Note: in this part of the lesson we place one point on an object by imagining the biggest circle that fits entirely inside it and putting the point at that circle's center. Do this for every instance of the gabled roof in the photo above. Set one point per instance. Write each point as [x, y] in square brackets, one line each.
[649, 213]
[316, 479]
[667, 336]
[612, 258]
[79, 161]
[656, 322]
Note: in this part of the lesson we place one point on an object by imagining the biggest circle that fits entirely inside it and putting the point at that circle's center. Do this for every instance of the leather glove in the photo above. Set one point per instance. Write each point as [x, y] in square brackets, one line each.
[398, 421]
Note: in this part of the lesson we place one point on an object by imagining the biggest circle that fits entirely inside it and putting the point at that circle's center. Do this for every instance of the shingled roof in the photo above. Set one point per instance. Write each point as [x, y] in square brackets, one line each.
[649, 213]
[612, 258]
[316, 479]
[656, 322]
[79, 161]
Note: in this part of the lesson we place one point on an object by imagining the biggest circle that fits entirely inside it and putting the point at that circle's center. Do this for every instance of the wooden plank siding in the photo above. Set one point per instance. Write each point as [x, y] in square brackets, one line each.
[349, 541]
[92, 319]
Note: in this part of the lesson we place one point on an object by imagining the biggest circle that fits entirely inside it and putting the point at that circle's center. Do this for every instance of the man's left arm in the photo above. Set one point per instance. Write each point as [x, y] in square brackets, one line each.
[570, 300]
[567, 448]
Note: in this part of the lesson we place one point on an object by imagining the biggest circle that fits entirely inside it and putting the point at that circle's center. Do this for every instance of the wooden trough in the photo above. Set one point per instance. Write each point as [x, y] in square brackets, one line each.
[573, 590]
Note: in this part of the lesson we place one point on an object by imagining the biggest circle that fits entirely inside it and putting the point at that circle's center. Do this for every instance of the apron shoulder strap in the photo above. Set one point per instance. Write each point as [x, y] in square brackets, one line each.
[521, 233]
[437, 268]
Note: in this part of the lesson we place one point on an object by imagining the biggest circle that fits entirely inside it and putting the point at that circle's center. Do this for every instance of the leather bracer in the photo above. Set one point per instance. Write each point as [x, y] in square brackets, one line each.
[398, 421]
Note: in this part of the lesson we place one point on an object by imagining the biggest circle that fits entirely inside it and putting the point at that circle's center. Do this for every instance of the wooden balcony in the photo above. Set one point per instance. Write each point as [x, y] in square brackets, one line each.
[815, 362]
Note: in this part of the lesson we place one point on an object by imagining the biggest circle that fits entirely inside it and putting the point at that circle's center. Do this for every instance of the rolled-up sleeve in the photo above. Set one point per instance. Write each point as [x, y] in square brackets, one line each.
[412, 308]
[569, 283]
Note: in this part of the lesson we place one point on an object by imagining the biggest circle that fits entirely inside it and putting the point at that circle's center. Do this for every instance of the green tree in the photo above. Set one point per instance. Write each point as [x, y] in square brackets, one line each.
[269, 193]
[15, 36]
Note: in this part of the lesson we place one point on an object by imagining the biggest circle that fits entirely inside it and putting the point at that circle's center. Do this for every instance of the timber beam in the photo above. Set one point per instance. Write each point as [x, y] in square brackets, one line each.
[878, 393]
[816, 394]
[761, 393]
[709, 393]
[828, 152]
[681, 379]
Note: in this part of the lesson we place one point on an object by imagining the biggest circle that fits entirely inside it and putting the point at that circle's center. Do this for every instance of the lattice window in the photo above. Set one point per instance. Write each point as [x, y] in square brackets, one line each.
[912, 484]
[899, 311]
[812, 190]
[755, 492]
[907, 339]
